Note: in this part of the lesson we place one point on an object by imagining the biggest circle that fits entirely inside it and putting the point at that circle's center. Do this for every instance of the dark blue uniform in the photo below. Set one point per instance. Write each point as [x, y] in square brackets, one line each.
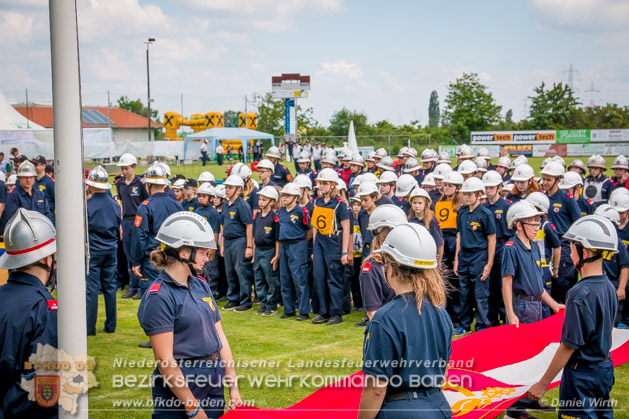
[612, 268]
[352, 176]
[266, 233]
[503, 234]
[3, 200]
[474, 227]
[588, 377]
[294, 259]
[548, 241]
[399, 333]
[131, 196]
[211, 267]
[434, 229]
[149, 218]
[514, 198]
[19, 198]
[402, 203]
[28, 317]
[374, 288]
[310, 173]
[434, 197]
[47, 186]
[190, 205]
[598, 190]
[327, 267]
[281, 175]
[103, 218]
[236, 217]
[252, 199]
[190, 313]
[586, 206]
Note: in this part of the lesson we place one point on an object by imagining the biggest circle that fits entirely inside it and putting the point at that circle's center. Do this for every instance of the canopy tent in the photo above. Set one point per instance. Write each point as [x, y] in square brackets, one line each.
[11, 120]
[218, 134]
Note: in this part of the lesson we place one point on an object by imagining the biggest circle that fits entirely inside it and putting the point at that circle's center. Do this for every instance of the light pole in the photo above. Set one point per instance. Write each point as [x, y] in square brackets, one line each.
[148, 85]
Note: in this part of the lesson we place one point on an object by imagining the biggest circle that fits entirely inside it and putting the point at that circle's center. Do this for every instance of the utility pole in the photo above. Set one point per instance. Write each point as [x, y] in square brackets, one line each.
[148, 85]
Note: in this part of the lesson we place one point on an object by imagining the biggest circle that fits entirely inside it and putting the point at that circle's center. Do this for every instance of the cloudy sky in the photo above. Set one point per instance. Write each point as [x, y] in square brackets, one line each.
[382, 58]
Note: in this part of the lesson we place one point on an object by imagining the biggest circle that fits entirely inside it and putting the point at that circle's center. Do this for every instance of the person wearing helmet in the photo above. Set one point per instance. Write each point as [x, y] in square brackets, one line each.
[483, 153]
[237, 245]
[597, 186]
[401, 161]
[385, 165]
[621, 172]
[370, 198]
[572, 183]
[387, 182]
[498, 206]
[177, 188]
[206, 209]
[356, 167]
[28, 312]
[331, 237]
[43, 182]
[502, 166]
[413, 168]
[371, 162]
[149, 218]
[25, 195]
[281, 174]
[345, 170]
[190, 201]
[329, 160]
[430, 186]
[586, 336]
[266, 251]
[468, 169]
[429, 160]
[303, 168]
[475, 250]
[523, 179]
[421, 214]
[206, 177]
[481, 167]
[265, 171]
[403, 187]
[465, 153]
[444, 158]
[11, 181]
[411, 269]
[104, 220]
[182, 320]
[577, 166]
[439, 173]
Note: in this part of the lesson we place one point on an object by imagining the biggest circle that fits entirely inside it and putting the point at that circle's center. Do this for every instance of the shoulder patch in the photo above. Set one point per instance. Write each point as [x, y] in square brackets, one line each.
[339, 199]
[155, 288]
[202, 279]
[276, 219]
[138, 221]
[255, 215]
[569, 195]
[509, 201]
[509, 243]
[590, 202]
[552, 226]
[283, 167]
[52, 305]
[145, 202]
[367, 267]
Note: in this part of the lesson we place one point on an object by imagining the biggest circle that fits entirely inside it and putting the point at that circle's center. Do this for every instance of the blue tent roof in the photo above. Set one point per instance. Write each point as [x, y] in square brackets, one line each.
[230, 134]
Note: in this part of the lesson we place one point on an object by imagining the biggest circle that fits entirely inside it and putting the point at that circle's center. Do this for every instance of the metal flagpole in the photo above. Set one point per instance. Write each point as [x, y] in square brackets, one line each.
[66, 94]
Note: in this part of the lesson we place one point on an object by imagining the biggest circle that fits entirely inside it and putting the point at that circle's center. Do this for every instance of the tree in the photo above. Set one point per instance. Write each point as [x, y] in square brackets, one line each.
[137, 107]
[509, 117]
[230, 118]
[339, 123]
[554, 108]
[433, 110]
[469, 107]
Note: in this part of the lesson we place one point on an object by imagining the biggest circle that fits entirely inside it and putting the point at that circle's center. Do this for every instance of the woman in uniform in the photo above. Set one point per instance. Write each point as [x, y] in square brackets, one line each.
[414, 325]
[181, 317]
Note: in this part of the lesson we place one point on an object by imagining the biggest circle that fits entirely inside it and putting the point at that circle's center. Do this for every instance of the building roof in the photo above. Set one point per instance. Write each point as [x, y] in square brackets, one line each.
[120, 118]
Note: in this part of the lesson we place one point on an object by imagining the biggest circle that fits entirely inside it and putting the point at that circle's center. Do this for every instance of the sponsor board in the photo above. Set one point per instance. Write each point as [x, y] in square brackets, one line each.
[609, 135]
[517, 150]
[549, 150]
[573, 136]
[605, 149]
[505, 137]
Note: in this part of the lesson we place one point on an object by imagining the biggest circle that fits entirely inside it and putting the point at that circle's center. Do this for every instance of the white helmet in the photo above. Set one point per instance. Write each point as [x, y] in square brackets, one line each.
[291, 189]
[539, 200]
[356, 181]
[522, 173]
[429, 155]
[330, 158]
[410, 152]
[453, 178]
[266, 164]
[368, 177]
[570, 180]
[269, 192]
[127, 159]
[366, 188]
[98, 178]
[553, 169]
[370, 156]
[234, 180]
[341, 185]
[596, 161]
[577, 163]
[156, 175]
[11, 180]
[419, 192]
[206, 177]
[473, 184]
[220, 191]
[492, 178]
[504, 161]
[303, 181]
[273, 152]
[466, 152]
[615, 194]
[402, 152]
[411, 165]
[164, 166]
[386, 164]
[405, 185]
[483, 153]
[558, 159]
[467, 167]
[521, 210]
[609, 212]
[205, 189]
[594, 232]
[381, 153]
[28, 237]
[26, 169]
[429, 180]
[303, 157]
[185, 228]
[411, 245]
[444, 157]
[481, 164]
[518, 161]
[544, 163]
[621, 162]
[386, 216]
[241, 170]
[327, 175]
[347, 154]
[387, 177]
[620, 202]
[179, 184]
[441, 171]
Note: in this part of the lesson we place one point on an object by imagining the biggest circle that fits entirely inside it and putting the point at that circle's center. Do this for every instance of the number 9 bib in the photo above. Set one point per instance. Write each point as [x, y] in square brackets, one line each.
[444, 211]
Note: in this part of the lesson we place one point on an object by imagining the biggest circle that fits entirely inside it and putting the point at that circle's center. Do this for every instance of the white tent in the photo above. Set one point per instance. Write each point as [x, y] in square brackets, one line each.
[10, 119]
[218, 134]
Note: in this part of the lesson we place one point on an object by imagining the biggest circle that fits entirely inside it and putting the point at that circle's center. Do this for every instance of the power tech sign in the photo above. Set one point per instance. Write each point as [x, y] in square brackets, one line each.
[510, 137]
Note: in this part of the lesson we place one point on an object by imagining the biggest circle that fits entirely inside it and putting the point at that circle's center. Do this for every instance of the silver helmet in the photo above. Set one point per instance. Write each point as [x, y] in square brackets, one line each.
[98, 178]
[28, 237]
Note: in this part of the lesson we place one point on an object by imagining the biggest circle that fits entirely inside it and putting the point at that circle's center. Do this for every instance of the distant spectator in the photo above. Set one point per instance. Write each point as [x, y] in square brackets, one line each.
[15, 152]
[203, 150]
[219, 153]
[241, 154]
[295, 155]
[230, 151]
[50, 171]
[3, 165]
[316, 156]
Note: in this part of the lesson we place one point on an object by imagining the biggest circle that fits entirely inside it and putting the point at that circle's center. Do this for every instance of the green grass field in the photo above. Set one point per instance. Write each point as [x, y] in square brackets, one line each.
[252, 338]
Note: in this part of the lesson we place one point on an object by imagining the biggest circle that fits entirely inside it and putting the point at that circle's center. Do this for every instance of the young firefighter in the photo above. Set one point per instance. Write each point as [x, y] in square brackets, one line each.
[401, 161]
[476, 246]
[429, 159]
[387, 184]
[294, 225]
[621, 172]
[421, 214]
[305, 201]
[266, 236]
[281, 174]
[237, 244]
[498, 206]
[403, 187]
[502, 166]
[597, 186]
[265, 173]
[523, 182]
[190, 201]
[572, 183]
[549, 246]
[578, 167]
[357, 247]
[206, 210]
[468, 169]
[178, 190]
[356, 166]
[586, 336]
[219, 199]
[370, 198]
[413, 168]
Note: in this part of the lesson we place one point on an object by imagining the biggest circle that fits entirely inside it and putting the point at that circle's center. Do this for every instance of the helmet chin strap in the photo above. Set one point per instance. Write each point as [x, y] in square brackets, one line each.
[51, 282]
[582, 261]
[188, 261]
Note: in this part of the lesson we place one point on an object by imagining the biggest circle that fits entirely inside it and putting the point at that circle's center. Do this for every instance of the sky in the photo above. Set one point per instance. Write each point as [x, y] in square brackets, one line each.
[380, 58]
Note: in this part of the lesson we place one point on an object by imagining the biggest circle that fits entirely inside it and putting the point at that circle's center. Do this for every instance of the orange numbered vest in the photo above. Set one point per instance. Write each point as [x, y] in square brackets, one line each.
[324, 220]
[446, 214]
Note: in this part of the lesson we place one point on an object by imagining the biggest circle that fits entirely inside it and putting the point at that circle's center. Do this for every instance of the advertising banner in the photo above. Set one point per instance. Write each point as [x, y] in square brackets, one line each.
[610, 135]
[604, 149]
[517, 150]
[507, 137]
[549, 150]
[573, 136]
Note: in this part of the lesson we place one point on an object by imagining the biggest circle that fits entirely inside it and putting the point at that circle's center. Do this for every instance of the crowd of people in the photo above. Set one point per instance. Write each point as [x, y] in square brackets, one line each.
[478, 245]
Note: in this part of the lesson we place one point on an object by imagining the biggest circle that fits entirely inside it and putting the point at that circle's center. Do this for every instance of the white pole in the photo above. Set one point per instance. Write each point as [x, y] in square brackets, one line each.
[66, 94]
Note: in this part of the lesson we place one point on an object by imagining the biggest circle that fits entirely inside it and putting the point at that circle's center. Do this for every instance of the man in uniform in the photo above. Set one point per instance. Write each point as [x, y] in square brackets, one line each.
[281, 175]
[25, 195]
[43, 182]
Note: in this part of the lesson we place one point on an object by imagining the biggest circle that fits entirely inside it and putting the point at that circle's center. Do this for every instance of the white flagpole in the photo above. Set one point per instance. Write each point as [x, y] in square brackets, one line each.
[66, 94]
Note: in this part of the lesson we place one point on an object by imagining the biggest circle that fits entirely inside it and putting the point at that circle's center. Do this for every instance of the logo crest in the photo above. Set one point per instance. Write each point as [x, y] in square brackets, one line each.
[47, 390]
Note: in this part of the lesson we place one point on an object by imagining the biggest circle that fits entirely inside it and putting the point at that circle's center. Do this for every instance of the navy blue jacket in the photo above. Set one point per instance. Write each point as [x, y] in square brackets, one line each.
[47, 186]
[18, 198]
[104, 219]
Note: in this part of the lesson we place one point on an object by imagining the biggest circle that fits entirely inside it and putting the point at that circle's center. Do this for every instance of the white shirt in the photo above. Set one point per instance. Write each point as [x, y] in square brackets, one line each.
[203, 147]
[219, 149]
